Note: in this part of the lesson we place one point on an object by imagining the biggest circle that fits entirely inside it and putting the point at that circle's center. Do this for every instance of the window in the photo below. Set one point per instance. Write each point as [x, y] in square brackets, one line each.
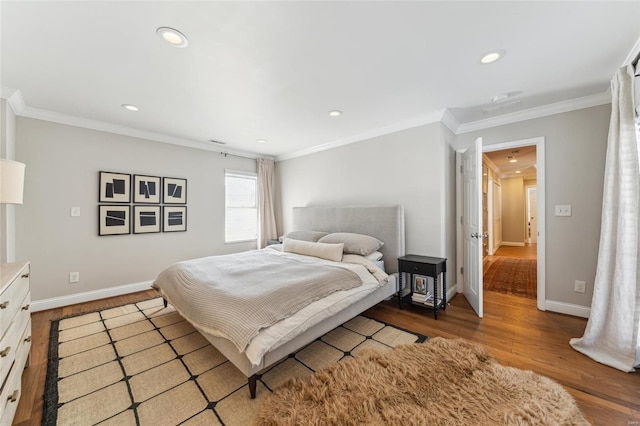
[241, 213]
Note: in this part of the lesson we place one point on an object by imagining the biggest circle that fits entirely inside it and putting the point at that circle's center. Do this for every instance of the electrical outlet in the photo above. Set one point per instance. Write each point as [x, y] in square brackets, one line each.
[74, 277]
[580, 286]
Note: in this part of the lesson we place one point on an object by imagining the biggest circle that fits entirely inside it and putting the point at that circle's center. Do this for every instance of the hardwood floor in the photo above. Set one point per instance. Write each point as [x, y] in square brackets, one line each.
[513, 329]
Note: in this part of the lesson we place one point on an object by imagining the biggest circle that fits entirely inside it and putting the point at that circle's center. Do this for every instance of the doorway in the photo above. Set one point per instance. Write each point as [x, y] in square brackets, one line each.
[511, 264]
[502, 236]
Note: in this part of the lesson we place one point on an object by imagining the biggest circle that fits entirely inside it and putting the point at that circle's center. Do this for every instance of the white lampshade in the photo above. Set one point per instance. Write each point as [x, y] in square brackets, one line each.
[11, 181]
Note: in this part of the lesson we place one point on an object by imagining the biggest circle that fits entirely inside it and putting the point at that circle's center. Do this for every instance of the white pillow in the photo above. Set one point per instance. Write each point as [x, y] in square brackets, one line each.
[323, 251]
[375, 256]
[312, 236]
[353, 243]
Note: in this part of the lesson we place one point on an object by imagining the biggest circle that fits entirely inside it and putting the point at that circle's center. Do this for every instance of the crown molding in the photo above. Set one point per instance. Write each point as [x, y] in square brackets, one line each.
[538, 112]
[449, 120]
[86, 123]
[381, 131]
[14, 99]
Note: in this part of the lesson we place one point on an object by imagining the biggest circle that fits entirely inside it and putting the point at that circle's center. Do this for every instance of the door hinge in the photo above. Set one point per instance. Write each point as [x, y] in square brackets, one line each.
[462, 270]
[461, 169]
[462, 220]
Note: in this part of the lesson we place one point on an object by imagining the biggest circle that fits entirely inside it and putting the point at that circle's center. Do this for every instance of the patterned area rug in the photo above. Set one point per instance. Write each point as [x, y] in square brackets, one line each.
[512, 276]
[143, 364]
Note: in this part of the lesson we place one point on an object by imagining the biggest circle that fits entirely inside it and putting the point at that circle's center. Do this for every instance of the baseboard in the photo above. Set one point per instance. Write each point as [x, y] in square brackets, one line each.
[512, 244]
[452, 291]
[568, 308]
[87, 296]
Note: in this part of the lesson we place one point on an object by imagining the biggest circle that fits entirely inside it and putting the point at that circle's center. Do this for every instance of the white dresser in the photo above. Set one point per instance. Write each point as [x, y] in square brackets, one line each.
[15, 332]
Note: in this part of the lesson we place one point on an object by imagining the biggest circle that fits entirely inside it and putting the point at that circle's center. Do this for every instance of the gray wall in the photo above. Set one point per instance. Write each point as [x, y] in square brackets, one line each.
[513, 210]
[62, 171]
[412, 167]
[575, 144]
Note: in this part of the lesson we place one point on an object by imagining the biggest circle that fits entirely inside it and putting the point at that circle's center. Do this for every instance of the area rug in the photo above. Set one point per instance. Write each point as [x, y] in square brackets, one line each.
[512, 276]
[442, 382]
[143, 364]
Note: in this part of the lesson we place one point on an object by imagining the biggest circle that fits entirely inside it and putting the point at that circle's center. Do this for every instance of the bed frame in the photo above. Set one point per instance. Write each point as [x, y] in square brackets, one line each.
[383, 222]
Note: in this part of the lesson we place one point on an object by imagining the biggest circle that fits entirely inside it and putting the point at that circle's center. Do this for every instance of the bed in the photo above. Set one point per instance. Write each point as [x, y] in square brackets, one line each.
[273, 343]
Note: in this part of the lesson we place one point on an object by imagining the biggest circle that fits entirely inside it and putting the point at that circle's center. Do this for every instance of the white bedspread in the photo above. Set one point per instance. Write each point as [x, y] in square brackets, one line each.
[210, 292]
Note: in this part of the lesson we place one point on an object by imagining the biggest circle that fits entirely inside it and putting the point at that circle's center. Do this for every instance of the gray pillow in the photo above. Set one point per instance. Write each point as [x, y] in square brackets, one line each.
[353, 243]
[312, 236]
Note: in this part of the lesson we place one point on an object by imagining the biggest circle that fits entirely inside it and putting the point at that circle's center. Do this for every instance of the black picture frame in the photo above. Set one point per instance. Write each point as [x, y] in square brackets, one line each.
[174, 190]
[114, 219]
[147, 219]
[114, 187]
[147, 189]
[174, 218]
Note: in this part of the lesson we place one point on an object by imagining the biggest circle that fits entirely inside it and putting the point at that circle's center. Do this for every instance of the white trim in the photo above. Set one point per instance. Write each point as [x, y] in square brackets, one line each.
[539, 143]
[449, 120]
[568, 308]
[451, 292]
[537, 112]
[459, 211]
[434, 117]
[87, 296]
[14, 99]
[512, 244]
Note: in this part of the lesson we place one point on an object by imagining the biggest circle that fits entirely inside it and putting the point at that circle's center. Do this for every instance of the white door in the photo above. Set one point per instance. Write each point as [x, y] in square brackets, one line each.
[472, 225]
[532, 198]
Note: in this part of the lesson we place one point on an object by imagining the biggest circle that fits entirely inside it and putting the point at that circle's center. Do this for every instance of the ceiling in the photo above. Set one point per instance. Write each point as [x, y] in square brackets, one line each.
[524, 165]
[273, 70]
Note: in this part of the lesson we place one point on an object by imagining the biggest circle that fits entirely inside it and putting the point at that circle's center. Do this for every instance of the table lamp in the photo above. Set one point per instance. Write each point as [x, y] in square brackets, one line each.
[11, 181]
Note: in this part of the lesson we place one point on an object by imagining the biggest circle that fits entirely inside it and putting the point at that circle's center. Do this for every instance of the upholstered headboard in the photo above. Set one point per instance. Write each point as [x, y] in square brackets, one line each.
[385, 222]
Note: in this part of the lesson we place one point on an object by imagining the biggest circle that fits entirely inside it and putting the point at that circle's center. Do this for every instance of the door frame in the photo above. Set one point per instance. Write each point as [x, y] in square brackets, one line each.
[539, 143]
[527, 191]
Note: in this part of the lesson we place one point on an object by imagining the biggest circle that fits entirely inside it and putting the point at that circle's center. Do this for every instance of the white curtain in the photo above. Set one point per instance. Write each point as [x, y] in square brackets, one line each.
[611, 336]
[266, 216]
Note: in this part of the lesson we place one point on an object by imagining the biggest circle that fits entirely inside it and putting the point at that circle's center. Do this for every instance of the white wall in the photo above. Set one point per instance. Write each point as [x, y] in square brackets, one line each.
[412, 167]
[62, 171]
[575, 145]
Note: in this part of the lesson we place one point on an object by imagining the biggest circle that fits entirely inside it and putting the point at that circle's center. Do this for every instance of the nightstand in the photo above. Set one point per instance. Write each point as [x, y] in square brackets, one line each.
[413, 265]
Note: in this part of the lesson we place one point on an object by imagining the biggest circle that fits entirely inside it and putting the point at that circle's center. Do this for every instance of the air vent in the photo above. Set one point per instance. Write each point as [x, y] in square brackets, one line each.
[218, 142]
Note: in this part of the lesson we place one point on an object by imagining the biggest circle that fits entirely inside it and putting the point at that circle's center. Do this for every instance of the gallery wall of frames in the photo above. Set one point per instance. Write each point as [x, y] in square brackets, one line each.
[141, 204]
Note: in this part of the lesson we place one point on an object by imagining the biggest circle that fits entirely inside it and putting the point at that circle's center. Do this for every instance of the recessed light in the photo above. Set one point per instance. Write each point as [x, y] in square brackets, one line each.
[490, 57]
[335, 113]
[512, 159]
[130, 107]
[173, 37]
[518, 171]
[261, 141]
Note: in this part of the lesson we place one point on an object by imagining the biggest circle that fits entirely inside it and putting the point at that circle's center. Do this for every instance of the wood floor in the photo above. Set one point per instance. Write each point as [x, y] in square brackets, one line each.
[513, 329]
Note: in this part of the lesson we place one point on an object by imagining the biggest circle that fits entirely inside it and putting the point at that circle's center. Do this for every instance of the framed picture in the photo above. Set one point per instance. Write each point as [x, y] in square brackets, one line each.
[114, 220]
[146, 189]
[174, 190]
[174, 218]
[114, 187]
[146, 219]
[420, 284]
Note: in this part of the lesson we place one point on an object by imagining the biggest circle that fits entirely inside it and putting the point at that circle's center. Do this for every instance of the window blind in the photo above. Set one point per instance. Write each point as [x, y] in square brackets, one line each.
[241, 213]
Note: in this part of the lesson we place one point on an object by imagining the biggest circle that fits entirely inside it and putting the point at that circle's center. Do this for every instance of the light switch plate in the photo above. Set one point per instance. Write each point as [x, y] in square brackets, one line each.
[75, 211]
[563, 210]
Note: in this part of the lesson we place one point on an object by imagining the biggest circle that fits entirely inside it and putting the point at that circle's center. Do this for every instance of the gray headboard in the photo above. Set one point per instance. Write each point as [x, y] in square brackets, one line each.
[385, 222]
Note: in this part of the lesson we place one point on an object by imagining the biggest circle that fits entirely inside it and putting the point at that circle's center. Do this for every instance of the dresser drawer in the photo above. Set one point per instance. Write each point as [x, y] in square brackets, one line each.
[12, 339]
[10, 395]
[11, 297]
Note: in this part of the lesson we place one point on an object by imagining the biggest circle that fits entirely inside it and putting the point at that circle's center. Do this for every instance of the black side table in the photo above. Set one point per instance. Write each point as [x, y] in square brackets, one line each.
[428, 266]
